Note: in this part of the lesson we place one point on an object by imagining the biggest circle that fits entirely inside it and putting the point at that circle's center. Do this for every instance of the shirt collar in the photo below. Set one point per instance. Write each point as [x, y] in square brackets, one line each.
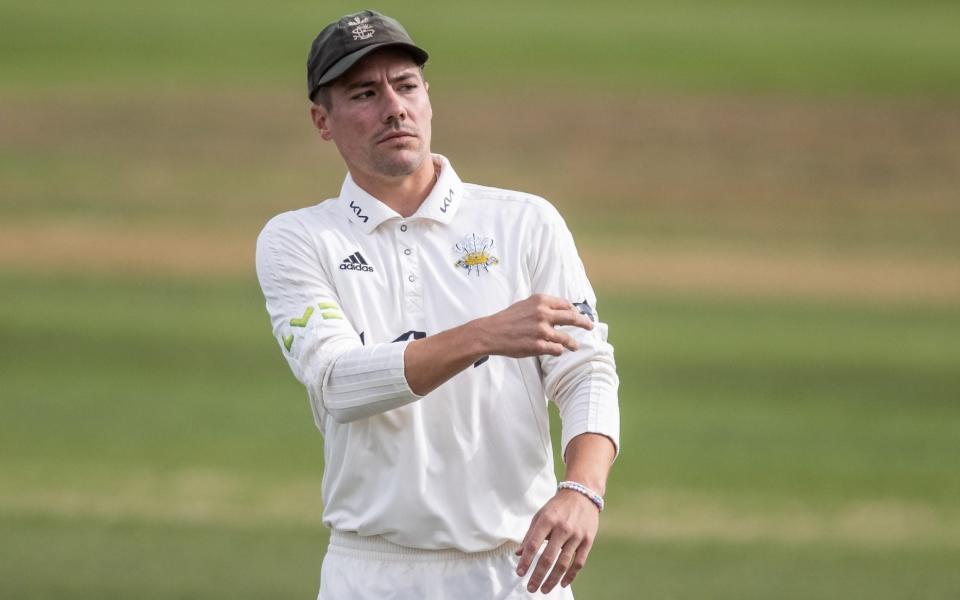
[440, 205]
[365, 211]
[444, 199]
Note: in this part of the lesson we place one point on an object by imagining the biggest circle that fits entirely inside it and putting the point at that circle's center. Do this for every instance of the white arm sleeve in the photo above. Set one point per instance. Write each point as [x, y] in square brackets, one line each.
[584, 383]
[344, 379]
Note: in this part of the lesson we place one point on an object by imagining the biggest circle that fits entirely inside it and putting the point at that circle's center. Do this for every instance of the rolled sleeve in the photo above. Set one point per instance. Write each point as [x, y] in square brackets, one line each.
[366, 381]
[344, 379]
[582, 383]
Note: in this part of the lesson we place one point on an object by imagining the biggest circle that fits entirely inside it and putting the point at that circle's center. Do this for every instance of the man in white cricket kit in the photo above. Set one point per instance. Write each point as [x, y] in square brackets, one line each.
[431, 320]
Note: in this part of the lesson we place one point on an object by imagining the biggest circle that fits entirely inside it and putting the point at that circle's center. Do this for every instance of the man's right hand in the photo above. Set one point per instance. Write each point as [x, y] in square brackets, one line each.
[528, 327]
[525, 328]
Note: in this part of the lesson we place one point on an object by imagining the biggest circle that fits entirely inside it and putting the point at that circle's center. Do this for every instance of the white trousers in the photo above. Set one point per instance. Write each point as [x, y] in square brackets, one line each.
[371, 568]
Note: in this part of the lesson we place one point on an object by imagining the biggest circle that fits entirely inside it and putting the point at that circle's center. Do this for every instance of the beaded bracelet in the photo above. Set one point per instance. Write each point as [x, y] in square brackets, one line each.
[579, 487]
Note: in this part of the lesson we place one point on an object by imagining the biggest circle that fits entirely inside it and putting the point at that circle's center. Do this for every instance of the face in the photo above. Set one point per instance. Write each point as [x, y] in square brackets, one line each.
[379, 116]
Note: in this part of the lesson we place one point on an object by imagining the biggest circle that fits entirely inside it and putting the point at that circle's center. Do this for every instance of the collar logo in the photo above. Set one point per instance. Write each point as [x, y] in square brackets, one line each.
[475, 254]
[356, 211]
[447, 201]
[361, 31]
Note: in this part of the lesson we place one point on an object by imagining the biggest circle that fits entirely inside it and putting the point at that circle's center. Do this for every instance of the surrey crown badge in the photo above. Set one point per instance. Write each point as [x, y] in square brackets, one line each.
[363, 30]
[475, 254]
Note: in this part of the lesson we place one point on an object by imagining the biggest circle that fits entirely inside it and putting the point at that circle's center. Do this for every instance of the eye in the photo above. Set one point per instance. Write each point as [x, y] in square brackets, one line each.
[362, 95]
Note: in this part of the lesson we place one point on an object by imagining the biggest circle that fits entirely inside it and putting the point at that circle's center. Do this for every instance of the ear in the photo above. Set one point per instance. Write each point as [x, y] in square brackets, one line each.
[319, 116]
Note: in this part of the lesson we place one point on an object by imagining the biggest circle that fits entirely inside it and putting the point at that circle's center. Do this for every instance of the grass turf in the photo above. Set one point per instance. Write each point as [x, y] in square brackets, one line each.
[812, 47]
[153, 442]
[110, 559]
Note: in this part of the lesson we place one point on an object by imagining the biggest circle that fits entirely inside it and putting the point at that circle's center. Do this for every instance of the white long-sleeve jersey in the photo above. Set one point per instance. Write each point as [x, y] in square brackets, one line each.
[349, 282]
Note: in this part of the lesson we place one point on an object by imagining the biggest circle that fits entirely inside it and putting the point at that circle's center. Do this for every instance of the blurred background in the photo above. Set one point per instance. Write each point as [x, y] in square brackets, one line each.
[766, 194]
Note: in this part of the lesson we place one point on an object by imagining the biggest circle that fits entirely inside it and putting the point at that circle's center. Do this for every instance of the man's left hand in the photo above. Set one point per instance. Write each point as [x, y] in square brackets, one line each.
[570, 522]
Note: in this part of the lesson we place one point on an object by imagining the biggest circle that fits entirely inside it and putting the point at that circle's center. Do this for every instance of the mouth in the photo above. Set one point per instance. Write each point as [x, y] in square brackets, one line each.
[396, 135]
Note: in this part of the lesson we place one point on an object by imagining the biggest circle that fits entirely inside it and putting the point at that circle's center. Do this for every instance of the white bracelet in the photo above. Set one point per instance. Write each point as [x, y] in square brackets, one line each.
[579, 487]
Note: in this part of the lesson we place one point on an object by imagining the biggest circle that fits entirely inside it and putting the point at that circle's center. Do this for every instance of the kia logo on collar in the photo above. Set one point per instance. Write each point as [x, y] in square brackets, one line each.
[447, 201]
[356, 211]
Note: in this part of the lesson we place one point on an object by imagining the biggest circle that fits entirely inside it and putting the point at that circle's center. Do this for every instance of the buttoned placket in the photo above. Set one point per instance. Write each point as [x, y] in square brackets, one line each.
[410, 272]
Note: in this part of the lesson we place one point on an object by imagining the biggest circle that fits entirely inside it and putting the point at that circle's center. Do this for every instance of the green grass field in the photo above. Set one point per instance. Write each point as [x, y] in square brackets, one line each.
[788, 432]
[154, 446]
[853, 47]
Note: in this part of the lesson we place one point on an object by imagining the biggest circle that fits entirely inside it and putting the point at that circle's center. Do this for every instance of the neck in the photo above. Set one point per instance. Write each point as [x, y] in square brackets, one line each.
[405, 193]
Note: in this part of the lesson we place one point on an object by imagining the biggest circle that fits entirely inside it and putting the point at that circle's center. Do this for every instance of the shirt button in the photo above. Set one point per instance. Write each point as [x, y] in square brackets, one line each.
[403, 228]
[412, 278]
[407, 251]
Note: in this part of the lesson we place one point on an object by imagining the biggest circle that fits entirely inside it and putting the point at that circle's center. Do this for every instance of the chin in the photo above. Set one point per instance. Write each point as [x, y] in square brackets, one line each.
[403, 162]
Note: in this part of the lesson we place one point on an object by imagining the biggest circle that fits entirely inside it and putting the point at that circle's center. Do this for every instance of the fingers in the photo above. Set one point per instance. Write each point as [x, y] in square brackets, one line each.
[553, 349]
[566, 341]
[566, 318]
[562, 305]
[532, 327]
[557, 338]
[570, 529]
[531, 544]
[571, 317]
[564, 561]
[579, 559]
[547, 559]
[553, 342]
[562, 312]
[553, 302]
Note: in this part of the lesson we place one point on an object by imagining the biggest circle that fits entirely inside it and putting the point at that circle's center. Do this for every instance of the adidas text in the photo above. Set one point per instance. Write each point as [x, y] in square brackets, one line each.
[355, 267]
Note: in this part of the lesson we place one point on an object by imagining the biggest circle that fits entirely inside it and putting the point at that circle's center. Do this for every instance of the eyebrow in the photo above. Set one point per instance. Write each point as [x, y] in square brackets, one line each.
[370, 83]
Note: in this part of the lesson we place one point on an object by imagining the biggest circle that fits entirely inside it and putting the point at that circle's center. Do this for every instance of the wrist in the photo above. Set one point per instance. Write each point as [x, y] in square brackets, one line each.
[594, 483]
[477, 338]
[584, 491]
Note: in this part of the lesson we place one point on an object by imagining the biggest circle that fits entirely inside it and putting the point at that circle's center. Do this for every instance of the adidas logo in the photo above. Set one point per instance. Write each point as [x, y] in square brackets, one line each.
[355, 262]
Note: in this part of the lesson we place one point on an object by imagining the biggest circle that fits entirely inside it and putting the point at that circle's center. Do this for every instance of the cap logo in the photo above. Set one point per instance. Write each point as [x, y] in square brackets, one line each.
[361, 31]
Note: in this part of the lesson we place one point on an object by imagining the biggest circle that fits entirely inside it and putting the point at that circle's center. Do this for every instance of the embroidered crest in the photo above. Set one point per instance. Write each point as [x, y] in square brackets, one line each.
[361, 31]
[475, 254]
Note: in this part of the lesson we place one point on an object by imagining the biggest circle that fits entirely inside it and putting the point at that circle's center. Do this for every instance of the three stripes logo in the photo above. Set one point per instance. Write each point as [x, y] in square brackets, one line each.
[355, 262]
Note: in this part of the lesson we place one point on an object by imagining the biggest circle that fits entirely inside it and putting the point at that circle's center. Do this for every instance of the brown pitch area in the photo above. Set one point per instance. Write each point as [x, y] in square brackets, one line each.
[84, 248]
[840, 198]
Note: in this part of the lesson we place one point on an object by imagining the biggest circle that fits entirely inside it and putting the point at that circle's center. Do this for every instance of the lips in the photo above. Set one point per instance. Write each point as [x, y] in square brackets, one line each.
[393, 135]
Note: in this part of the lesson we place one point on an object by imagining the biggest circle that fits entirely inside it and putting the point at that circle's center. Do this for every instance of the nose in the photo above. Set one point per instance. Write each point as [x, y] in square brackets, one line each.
[393, 109]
